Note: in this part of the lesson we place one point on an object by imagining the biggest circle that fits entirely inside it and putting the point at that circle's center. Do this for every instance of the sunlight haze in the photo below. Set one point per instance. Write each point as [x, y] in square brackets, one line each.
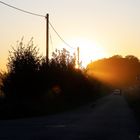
[100, 28]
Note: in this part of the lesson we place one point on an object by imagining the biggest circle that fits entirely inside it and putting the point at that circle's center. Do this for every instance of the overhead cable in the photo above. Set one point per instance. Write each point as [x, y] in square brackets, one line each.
[61, 37]
[31, 13]
[51, 42]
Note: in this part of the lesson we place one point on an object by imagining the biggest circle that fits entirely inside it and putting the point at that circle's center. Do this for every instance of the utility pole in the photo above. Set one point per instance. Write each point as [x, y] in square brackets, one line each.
[78, 51]
[47, 38]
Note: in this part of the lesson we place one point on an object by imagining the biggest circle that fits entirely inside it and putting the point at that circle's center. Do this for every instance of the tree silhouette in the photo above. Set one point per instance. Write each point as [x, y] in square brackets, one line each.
[33, 86]
[21, 81]
[117, 70]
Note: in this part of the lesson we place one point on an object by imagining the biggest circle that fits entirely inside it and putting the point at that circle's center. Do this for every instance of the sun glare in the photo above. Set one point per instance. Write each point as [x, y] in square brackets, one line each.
[89, 51]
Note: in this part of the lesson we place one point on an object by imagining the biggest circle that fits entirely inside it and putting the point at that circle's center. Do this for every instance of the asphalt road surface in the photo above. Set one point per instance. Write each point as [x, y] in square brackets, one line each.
[109, 118]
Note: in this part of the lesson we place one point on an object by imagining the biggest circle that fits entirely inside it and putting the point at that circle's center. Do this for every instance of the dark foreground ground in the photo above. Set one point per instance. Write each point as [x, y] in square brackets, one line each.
[110, 118]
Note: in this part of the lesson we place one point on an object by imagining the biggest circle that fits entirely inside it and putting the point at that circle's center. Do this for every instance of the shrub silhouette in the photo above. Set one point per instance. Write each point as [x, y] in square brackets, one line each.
[34, 86]
[22, 79]
[75, 86]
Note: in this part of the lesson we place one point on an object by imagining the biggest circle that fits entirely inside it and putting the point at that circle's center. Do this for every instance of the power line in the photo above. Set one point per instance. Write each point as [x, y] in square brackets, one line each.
[51, 42]
[61, 37]
[31, 13]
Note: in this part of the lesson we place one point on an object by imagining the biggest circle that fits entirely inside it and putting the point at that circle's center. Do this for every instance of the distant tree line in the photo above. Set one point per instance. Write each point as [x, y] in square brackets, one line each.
[33, 87]
[117, 71]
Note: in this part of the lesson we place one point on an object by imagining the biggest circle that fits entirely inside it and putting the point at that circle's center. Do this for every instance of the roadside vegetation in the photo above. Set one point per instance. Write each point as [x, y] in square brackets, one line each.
[122, 73]
[117, 71]
[32, 87]
[132, 95]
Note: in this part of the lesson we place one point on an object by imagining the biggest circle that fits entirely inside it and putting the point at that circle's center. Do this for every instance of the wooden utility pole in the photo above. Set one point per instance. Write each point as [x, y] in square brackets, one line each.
[78, 51]
[47, 38]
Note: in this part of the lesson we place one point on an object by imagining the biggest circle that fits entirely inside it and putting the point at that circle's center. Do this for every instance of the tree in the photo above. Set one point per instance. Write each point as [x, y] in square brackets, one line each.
[63, 59]
[24, 57]
[117, 71]
[22, 80]
[132, 58]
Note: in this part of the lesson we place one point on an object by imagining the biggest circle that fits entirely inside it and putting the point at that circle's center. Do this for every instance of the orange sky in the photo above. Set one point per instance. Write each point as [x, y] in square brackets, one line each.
[108, 27]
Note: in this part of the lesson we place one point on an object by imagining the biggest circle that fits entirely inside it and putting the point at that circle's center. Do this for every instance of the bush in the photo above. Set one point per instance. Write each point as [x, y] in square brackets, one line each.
[33, 86]
[22, 79]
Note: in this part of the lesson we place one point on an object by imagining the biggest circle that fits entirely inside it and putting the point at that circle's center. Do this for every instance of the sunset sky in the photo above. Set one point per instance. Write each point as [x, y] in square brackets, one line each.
[101, 28]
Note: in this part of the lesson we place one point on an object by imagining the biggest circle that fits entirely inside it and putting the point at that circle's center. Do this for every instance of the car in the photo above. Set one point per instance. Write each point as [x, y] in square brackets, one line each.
[117, 91]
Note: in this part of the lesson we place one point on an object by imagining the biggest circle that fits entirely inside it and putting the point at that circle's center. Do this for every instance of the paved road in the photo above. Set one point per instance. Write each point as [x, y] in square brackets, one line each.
[109, 119]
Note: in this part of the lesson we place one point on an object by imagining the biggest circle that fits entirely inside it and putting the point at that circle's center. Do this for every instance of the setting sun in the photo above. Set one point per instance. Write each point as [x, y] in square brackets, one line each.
[89, 50]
